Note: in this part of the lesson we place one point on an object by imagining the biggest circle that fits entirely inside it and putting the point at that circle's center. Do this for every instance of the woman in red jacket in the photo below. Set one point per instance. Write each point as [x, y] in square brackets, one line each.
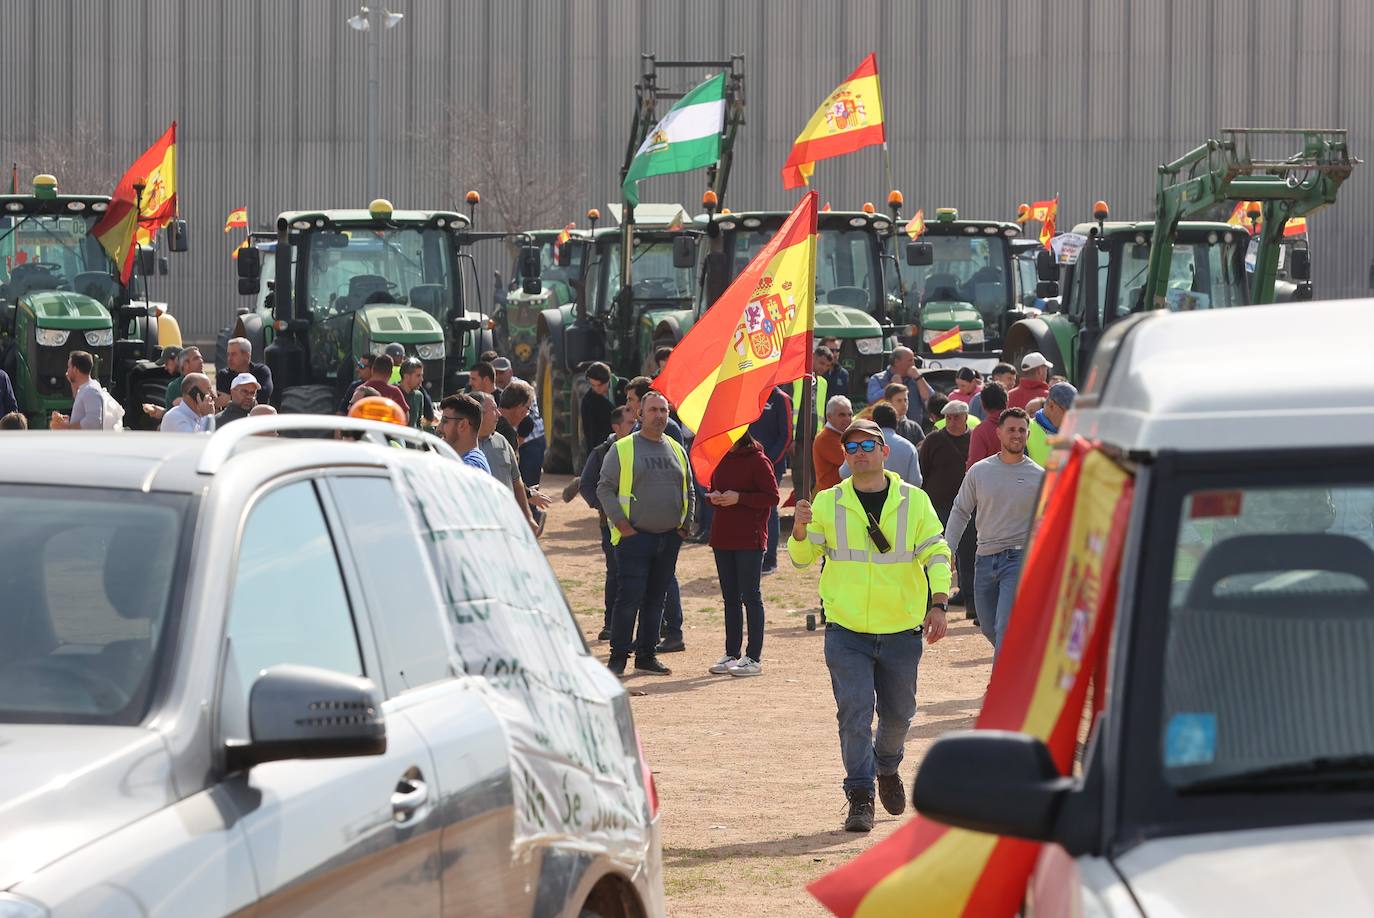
[743, 490]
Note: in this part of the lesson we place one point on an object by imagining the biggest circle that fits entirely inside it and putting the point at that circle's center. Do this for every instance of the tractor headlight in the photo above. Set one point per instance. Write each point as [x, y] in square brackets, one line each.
[100, 337]
[430, 351]
[869, 346]
[52, 337]
[972, 336]
[377, 348]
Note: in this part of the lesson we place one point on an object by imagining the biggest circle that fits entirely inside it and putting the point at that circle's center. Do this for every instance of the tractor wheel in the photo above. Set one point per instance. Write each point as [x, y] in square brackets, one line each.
[308, 400]
[550, 387]
[149, 389]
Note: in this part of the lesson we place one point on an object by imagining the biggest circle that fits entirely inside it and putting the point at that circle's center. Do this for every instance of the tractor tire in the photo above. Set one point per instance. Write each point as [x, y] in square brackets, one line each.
[222, 347]
[309, 400]
[551, 388]
[146, 389]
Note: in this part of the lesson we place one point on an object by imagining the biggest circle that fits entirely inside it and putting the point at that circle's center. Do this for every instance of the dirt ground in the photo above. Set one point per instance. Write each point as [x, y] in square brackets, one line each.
[748, 770]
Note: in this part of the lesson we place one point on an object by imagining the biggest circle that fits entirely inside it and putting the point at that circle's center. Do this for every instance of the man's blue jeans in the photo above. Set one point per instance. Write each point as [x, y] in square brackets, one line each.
[770, 556]
[994, 587]
[612, 573]
[646, 562]
[531, 460]
[672, 612]
[871, 672]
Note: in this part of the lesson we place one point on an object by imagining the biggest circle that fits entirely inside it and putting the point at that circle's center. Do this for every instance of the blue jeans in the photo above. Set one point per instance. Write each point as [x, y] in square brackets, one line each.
[871, 672]
[770, 557]
[646, 561]
[705, 510]
[532, 460]
[672, 612]
[612, 574]
[994, 586]
[739, 571]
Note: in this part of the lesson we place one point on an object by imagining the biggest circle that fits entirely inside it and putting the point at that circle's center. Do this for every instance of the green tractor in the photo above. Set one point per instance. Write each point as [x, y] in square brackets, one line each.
[356, 281]
[1111, 270]
[959, 274]
[855, 295]
[540, 280]
[635, 291]
[61, 292]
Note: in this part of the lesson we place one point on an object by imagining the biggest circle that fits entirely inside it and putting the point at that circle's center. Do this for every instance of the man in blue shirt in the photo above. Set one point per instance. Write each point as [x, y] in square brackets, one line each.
[460, 419]
[902, 370]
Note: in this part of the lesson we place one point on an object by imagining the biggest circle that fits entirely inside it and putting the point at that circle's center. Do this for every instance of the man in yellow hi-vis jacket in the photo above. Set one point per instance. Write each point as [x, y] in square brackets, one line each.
[886, 558]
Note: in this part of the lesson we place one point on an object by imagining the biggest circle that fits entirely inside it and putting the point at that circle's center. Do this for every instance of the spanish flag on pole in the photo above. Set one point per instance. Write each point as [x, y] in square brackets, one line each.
[1060, 623]
[849, 119]
[129, 214]
[755, 336]
[1045, 212]
[237, 217]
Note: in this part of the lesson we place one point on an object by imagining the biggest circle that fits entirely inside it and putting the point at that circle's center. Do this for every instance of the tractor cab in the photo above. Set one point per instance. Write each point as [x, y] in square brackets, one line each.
[1102, 269]
[855, 298]
[356, 281]
[546, 274]
[60, 292]
[958, 276]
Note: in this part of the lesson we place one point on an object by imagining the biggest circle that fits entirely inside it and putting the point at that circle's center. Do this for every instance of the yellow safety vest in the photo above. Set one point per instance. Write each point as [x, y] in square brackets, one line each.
[866, 590]
[625, 452]
[1038, 444]
[972, 423]
[822, 386]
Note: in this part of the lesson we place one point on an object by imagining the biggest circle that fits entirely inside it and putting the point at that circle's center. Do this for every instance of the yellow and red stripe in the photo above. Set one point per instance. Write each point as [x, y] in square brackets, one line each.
[947, 341]
[129, 214]
[849, 119]
[755, 336]
[1059, 628]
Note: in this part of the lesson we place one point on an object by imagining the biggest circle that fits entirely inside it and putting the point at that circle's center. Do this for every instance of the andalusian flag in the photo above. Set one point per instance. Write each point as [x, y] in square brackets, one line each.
[1045, 212]
[946, 341]
[916, 225]
[128, 214]
[849, 119]
[687, 138]
[755, 336]
[1055, 644]
[237, 217]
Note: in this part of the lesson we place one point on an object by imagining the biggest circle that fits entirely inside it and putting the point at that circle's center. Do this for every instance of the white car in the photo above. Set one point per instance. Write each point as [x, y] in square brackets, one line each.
[242, 673]
[1232, 770]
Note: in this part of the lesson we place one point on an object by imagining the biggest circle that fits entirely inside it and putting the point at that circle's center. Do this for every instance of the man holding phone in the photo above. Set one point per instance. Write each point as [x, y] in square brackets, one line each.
[885, 557]
[192, 413]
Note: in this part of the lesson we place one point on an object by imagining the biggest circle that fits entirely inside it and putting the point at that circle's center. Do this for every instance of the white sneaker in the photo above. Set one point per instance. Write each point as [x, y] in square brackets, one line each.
[723, 665]
[746, 667]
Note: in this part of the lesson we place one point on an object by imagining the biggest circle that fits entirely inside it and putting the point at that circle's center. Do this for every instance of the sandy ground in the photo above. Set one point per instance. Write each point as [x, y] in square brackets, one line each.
[748, 770]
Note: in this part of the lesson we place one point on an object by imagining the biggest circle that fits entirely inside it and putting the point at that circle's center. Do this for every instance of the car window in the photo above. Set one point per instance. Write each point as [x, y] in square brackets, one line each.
[396, 580]
[288, 602]
[1271, 621]
[86, 594]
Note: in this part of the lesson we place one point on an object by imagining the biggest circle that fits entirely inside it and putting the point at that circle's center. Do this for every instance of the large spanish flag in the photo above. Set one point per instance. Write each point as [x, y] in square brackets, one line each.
[755, 336]
[128, 215]
[850, 118]
[1059, 627]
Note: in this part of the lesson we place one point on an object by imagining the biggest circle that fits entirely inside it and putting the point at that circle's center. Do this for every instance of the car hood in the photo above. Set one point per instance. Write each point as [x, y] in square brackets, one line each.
[845, 322]
[406, 324]
[1309, 870]
[946, 314]
[66, 786]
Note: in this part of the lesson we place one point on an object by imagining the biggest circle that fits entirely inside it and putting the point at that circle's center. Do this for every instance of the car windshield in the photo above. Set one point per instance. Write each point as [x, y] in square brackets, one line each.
[1201, 276]
[41, 252]
[1267, 675]
[351, 268]
[966, 269]
[652, 273]
[88, 579]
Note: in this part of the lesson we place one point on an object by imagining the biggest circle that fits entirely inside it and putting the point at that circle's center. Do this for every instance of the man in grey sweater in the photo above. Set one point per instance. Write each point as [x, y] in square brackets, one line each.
[648, 523]
[1002, 490]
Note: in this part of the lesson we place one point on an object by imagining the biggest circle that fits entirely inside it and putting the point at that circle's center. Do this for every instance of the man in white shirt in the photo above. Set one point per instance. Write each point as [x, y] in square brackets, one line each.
[192, 413]
[88, 404]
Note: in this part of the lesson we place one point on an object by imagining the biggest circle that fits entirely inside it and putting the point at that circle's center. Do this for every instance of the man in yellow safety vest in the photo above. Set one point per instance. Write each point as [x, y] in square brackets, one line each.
[885, 586]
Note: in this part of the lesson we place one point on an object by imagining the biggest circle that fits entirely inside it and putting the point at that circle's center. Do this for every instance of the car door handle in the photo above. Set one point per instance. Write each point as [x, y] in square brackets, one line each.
[411, 794]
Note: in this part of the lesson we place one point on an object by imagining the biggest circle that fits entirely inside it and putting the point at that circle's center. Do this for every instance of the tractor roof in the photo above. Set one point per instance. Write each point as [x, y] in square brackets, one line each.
[60, 205]
[361, 216]
[825, 219]
[1120, 227]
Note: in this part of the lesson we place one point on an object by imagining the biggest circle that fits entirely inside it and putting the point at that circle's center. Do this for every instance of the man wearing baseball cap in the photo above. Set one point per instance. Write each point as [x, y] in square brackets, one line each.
[243, 395]
[885, 587]
[1046, 422]
[1035, 370]
[532, 449]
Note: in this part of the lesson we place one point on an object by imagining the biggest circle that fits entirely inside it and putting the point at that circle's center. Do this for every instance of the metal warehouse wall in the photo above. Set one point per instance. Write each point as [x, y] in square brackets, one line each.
[988, 102]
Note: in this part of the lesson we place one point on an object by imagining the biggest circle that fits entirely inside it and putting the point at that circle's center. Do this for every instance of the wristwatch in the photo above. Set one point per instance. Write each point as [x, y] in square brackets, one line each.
[942, 606]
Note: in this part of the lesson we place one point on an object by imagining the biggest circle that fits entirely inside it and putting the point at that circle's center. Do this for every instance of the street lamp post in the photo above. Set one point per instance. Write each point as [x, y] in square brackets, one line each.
[363, 22]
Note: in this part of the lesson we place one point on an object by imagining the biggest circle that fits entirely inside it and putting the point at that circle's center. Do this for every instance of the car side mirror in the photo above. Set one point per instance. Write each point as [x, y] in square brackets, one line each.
[1300, 265]
[1046, 288]
[920, 254]
[1046, 268]
[302, 712]
[992, 781]
[1140, 251]
[249, 263]
[685, 252]
[147, 261]
[163, 265]
[178, 236]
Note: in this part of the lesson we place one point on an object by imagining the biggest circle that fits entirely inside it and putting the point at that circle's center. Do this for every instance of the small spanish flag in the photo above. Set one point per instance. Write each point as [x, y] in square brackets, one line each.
[566, 234]
[1045, 212]
[237, 217]
[947, 341]
[1295, 227]
[239, 248]
[916, 225]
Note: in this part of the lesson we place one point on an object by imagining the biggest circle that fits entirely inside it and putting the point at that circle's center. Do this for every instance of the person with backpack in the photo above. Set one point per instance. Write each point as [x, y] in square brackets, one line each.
[92, 407]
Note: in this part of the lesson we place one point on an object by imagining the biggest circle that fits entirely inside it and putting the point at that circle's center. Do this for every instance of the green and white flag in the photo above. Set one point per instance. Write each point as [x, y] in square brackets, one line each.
[687, 138]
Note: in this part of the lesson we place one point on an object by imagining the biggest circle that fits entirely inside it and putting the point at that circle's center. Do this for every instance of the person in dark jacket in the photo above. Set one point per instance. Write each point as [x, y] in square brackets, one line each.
[8, 403]
[596, 406]
[744, 487]
[944, 459]
[773, 433]
[622, 422]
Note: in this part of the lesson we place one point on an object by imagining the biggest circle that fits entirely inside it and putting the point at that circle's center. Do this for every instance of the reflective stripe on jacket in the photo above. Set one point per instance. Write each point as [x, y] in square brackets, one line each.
[866, 590]
[625, 452]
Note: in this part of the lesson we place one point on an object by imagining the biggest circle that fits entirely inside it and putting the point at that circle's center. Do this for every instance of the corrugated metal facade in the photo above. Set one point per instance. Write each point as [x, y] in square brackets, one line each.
[989, 102]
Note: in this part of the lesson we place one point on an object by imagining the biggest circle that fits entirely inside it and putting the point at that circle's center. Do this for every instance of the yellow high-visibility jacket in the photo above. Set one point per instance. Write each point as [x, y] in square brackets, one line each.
[865, 590]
